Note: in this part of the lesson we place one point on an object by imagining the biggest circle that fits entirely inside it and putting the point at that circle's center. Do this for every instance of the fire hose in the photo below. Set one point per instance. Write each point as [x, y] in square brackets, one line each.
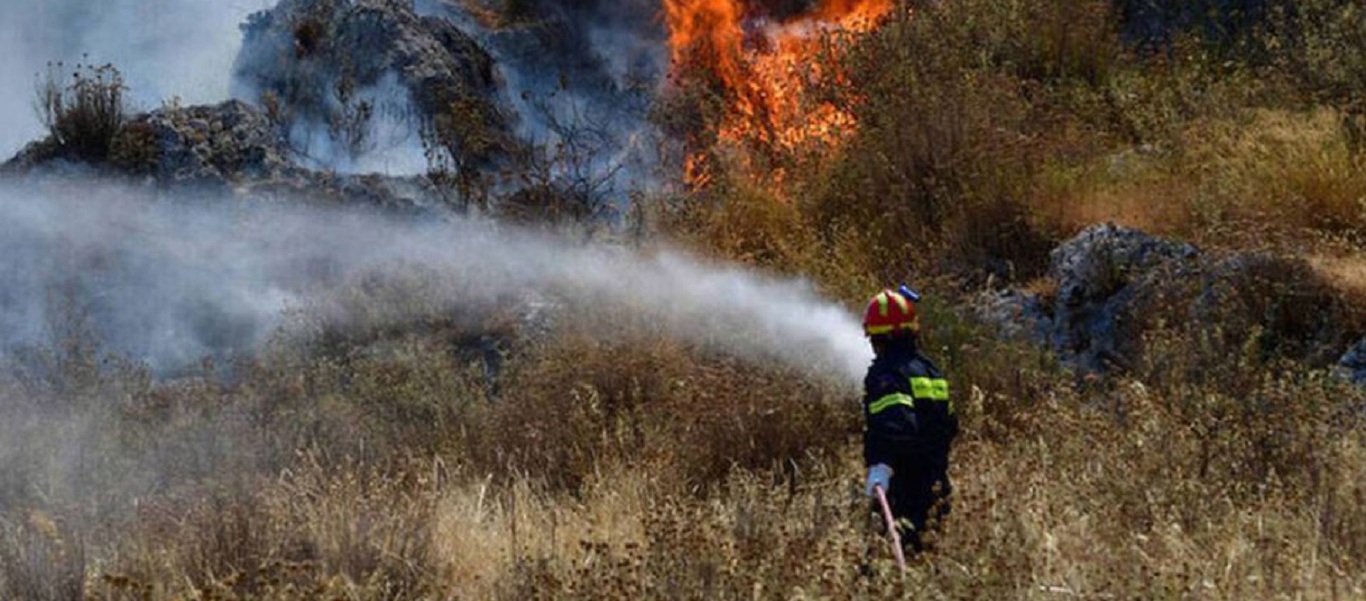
[891, 528]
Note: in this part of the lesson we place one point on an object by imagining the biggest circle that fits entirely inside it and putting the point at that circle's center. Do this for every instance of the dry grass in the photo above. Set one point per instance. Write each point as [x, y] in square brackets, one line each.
[1270, 180]
[628, 466]
[1348, 272]
[1291, 171]
[1131, 188]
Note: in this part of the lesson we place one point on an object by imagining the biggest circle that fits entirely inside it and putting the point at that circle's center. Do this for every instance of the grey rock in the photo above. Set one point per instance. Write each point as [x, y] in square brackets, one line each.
[308, 59]
[33, 155]
[1100, 275]
[1114, 285]
[186, 152]
[1017, 314]
[176, 145]
[1352, 366]
[248, 159]
[407, 196]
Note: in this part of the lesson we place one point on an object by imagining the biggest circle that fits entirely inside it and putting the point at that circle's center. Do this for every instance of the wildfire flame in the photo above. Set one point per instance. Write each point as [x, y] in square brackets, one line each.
[764, 67]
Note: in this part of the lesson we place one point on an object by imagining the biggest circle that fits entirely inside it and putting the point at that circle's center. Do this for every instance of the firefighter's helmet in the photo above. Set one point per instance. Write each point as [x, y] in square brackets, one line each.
[891, 313]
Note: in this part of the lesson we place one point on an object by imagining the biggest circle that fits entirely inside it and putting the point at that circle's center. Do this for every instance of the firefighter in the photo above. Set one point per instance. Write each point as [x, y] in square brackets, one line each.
[909, 419]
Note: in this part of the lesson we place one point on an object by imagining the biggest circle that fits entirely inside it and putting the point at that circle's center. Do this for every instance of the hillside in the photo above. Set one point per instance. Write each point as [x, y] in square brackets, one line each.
[532, 299]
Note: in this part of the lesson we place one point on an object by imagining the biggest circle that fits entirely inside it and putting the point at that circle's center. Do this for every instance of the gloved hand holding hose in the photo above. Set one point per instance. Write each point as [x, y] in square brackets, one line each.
[879, 475]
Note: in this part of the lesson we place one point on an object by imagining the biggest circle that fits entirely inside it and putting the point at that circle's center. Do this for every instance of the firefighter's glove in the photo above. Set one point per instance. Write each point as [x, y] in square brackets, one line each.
[879, 475]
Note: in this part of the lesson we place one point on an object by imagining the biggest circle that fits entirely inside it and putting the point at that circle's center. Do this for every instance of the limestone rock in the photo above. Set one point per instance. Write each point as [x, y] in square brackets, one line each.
[308, 61]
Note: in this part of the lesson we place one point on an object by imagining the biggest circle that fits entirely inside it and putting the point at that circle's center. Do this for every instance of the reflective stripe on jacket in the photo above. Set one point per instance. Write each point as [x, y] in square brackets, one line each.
[907, 406]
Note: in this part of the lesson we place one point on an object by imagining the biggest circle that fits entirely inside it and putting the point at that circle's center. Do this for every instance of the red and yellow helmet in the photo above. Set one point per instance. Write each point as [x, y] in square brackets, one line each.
[890, 312]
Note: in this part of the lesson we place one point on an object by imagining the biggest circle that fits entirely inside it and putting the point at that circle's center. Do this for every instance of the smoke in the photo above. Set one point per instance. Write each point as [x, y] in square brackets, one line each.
[172, 280]
[388, 141]
[165, 48]
[582, 74]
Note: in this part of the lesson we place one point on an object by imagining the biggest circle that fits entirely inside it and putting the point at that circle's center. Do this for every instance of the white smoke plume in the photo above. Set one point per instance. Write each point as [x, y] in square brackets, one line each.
[165, 48]
[169, 281]
[582, 74]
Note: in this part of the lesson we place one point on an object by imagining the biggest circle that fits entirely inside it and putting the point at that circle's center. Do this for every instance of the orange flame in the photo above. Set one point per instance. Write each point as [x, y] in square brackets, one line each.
[764, 68]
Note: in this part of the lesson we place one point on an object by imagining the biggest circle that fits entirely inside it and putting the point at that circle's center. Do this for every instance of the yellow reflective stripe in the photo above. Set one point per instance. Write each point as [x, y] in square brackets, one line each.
[882, 301]
[890, 400]
[887, 329]
[901, 302]
[934, 389]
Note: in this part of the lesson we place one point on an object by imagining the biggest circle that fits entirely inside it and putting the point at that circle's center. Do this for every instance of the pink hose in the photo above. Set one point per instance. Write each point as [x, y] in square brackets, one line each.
[891, 528]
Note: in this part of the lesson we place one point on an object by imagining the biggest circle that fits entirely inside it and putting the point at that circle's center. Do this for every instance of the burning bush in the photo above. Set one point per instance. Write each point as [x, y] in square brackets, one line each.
[758, 65]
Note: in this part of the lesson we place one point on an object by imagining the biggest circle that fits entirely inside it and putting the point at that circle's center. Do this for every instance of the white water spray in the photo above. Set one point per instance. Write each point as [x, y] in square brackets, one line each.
[169, 281]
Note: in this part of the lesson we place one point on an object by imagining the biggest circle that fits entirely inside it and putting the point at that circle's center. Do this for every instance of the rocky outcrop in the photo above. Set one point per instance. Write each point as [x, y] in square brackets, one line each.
[1100, 275]
[1017, 314]
[1352, 365]
[311, 61]
[219, 144]
[231, 148]
[409, 195]
[1110, 287]
[226, 143]
[1096, 280]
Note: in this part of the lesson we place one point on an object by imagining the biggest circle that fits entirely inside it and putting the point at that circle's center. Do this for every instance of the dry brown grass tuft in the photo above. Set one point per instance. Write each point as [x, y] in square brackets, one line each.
[84, 115]
[1346, 272]
[41, 558]
[1284, 173]
[606, 394]
[1265, 179]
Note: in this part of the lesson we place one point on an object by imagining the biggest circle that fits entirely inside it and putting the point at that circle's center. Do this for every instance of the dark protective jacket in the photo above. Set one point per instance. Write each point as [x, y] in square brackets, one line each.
[906, 406]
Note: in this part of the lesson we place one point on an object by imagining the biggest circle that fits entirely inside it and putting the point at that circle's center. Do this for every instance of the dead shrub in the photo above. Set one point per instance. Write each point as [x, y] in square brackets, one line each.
[577, 404]
[939, 177]
[41, 558]
[731, 414]
[743, 222]
[227, 544]
[83, 116]
[1320, 45]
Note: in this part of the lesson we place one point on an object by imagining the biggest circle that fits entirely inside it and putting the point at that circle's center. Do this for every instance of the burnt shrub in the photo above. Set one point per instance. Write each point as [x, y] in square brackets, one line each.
[84, 115]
